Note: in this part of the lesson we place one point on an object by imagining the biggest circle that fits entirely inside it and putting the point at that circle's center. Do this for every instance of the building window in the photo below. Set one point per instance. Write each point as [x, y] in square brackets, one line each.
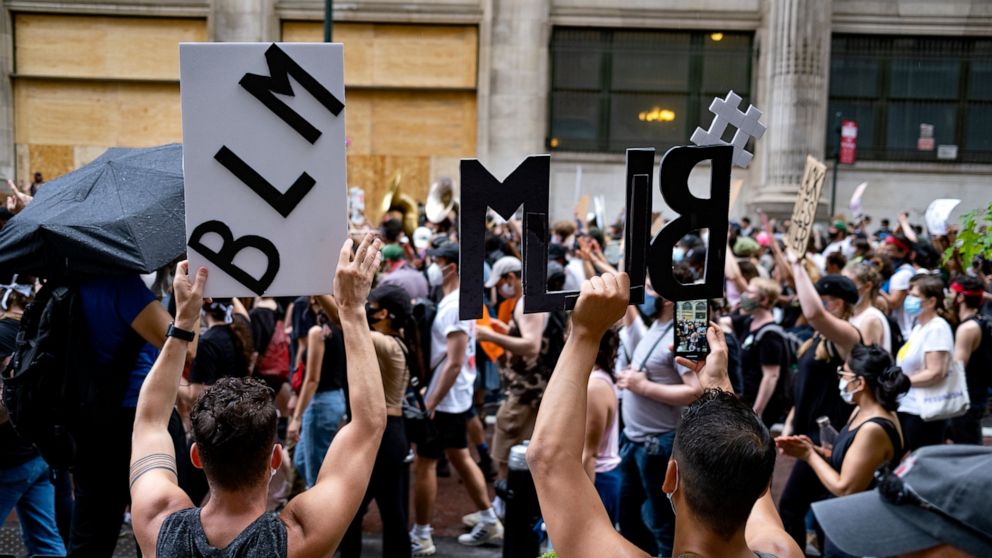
[614, 88]
[902, 90]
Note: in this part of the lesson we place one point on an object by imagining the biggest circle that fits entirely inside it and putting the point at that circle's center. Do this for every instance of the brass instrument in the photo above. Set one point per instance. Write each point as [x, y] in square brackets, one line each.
[397, 201]
[440, 200]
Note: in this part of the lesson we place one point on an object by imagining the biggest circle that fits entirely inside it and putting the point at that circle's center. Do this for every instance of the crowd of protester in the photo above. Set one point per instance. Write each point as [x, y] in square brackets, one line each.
[271, 430]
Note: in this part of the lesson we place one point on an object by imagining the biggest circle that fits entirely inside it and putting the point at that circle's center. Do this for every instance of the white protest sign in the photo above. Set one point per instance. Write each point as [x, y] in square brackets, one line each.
[937, 214]
[264, 165]
[859, 192]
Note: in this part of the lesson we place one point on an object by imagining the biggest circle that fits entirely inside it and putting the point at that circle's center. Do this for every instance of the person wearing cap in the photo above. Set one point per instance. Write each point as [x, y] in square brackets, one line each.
[524, 371]
[448, 399]
[899, 249]
[973, 348]
[827, 306]
[25, 481]
[869, 439]
[390, 317]
[934, 505]
[839, 241]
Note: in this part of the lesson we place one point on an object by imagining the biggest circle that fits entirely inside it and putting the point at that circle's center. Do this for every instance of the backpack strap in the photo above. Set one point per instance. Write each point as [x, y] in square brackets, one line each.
[655, 346]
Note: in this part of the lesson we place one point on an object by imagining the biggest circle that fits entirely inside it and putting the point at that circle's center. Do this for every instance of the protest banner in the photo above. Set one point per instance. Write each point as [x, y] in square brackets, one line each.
[264, 165]
[804, 212]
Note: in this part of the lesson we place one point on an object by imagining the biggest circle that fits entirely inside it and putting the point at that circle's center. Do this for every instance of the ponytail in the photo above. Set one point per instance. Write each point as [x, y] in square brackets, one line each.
[874, 365]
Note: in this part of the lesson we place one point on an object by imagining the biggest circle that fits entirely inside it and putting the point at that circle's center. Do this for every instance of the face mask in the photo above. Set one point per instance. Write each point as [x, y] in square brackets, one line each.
[844, 394]
[749, 304]
[672, 493]
[912, 305]
[678, 254]
[507, 290]
[435, 277]
[649, 306]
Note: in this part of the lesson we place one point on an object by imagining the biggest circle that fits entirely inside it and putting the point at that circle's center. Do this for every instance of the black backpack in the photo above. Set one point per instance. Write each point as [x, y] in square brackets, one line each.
[52, 385]
[895, 334]
[424, 312]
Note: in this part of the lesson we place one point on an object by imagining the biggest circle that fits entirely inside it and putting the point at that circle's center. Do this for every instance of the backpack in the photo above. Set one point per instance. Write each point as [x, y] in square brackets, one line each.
[274, 362]
[791, 341]
[424, 312]
[52, 384]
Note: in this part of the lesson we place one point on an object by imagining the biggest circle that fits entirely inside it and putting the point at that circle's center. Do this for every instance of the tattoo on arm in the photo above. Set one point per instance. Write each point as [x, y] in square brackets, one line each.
[150, 462]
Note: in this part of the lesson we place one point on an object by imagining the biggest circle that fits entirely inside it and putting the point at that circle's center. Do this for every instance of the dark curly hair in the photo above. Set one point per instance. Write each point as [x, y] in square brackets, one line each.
[885, 380]
[234, 426]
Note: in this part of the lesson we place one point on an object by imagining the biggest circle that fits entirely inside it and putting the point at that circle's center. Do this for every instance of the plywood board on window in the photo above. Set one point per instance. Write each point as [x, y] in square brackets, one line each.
[411, 123]
[102, 47]
[62, 112]
[373, 173]
[52, 161]
[399, 55]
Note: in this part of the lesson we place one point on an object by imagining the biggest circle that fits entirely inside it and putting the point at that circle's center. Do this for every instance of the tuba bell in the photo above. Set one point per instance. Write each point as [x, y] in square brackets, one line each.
[440, 200]
[397, 201]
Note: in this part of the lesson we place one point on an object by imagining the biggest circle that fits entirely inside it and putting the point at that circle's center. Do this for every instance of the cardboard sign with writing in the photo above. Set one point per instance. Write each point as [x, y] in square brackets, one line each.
[264, 165]
[804, 212]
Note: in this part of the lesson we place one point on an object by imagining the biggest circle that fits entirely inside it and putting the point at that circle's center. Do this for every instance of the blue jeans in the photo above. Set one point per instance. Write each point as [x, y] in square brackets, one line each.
[28, 488]
[608, 486]
[646, 517]
[320, 424]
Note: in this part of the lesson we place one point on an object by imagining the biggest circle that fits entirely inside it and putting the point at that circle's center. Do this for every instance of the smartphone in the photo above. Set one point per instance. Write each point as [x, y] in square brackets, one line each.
[692, 317]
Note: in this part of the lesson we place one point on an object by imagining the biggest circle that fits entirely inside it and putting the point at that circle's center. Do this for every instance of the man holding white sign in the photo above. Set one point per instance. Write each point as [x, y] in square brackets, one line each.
[263, 163]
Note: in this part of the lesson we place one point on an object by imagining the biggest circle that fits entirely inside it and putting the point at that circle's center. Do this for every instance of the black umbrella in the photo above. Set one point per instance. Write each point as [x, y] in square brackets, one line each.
[122, 213]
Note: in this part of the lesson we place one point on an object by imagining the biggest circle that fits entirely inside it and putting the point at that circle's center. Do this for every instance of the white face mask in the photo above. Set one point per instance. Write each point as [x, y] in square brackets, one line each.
[844, 394]
[507, 290]
[672, 493]
[435, 277]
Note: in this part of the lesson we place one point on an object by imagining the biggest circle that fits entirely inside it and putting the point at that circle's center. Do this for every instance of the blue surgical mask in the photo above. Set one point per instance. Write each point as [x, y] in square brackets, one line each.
[649, 306]
[912, 305]
[678, 254]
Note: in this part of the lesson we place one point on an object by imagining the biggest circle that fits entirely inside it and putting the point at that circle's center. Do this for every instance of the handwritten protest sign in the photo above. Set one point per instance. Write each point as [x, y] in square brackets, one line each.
[264, 165]
[804, 212]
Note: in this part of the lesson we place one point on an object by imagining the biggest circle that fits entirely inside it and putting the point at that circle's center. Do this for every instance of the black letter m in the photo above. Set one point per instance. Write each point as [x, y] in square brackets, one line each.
[281, 66]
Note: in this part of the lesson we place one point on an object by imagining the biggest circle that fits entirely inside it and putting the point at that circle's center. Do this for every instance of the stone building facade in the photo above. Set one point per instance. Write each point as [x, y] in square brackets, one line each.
[432, 81]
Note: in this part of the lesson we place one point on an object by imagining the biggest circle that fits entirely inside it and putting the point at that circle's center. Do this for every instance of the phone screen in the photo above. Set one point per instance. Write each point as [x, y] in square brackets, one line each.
[691, 320]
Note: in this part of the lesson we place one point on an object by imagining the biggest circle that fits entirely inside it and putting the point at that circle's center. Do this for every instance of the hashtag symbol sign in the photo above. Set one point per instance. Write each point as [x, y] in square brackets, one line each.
[727, 113]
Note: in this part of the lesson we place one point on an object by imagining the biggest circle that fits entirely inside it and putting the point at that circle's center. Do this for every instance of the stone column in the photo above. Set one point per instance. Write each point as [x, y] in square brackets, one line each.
[243, 21]
[7, 155]
[798, 70]
[518, 83]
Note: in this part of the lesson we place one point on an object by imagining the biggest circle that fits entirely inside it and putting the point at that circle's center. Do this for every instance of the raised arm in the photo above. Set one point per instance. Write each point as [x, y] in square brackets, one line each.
[574, 514]
[155, 492]
[840, 332]
[317, 519]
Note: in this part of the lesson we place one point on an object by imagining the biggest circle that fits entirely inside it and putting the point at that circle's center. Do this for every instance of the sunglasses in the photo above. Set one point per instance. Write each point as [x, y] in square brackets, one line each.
[896, 492]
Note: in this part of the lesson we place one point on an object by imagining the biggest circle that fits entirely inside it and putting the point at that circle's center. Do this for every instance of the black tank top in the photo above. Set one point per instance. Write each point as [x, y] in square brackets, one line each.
[333, 366]
[978, 373]
[846, 437]
[182, 536]
[815, 391]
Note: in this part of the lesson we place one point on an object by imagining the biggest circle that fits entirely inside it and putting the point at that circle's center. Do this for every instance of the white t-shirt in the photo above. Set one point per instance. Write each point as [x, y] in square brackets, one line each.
[900, 282]
[934, 336]
[872, 313]
[446, 322]
[575, 274]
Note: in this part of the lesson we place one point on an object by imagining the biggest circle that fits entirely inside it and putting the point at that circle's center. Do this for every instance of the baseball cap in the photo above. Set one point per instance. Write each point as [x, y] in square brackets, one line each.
[838, 286]
[449, 251]
[393, 298]
[839, 225]
[951, 480]
[504, 265]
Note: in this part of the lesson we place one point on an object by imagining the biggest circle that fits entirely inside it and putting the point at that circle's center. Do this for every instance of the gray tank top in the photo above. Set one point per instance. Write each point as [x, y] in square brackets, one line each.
[182, 536]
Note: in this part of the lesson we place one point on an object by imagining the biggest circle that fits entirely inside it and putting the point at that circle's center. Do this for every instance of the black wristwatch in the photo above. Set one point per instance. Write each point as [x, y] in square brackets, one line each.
[181, 334]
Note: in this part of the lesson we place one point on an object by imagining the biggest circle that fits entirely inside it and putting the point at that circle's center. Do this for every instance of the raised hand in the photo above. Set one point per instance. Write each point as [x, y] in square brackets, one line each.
[602, 302]
[189, 295]
[353, 279]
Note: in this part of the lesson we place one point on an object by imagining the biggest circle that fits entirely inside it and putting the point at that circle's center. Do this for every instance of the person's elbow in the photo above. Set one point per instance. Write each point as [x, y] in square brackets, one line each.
[542, 456]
